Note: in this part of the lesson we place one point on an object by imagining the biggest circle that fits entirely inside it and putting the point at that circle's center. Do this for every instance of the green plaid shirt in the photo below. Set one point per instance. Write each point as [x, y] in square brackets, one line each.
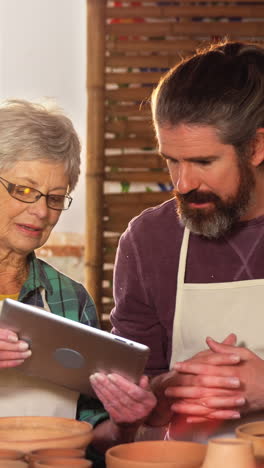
[67, 298]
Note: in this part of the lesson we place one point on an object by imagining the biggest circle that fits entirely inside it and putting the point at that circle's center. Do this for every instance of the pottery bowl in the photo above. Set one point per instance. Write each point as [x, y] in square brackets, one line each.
[156, 454]
[9, 454]
[55, 452]
[62, 462]
[28, 433]
[253, 431]
[229, 453]
[13, 464]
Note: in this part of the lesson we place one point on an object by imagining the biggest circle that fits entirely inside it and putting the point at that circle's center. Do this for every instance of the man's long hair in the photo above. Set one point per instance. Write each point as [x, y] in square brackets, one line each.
[222, 86]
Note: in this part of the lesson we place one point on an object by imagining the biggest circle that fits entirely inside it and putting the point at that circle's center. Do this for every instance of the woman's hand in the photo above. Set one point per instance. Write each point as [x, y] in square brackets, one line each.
[126, 402]
[13, 351]
[128, 406]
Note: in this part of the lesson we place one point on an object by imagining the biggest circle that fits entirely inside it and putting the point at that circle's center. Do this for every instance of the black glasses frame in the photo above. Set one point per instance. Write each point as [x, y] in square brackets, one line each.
[12, 187]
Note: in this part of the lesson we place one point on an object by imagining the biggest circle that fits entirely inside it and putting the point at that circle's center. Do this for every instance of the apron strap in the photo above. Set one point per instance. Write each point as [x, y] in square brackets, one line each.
[183, 256]
[179, 292]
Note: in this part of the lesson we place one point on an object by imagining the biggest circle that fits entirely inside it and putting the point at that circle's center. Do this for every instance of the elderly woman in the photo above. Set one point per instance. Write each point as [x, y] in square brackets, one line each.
[39, 167]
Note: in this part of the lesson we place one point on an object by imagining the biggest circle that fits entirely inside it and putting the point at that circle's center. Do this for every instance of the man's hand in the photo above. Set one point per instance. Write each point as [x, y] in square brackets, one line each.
[207, 388]
[206, 385]
[250, 371]
[162, 413]
[178, 392]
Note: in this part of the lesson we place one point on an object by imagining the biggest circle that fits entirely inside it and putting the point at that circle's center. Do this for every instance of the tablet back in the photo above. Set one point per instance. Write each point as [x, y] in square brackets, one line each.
[66, 352]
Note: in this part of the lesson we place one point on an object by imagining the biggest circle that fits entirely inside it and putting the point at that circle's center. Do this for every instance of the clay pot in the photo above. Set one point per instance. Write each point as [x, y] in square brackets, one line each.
[51, 462]
[229, 453]
[58, 453]
[13, 464]
[8, 454]
[28, 433]
[255, 433]
[156, 454]
[55, 452]
[12, 459]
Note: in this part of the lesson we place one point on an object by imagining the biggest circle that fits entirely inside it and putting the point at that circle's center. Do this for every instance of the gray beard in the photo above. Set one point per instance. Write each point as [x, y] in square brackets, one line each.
[213, 228]
[216, 223]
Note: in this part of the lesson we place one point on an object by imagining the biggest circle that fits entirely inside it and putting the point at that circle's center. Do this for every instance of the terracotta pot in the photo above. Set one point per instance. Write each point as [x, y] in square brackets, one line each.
[28, 433]
[9, 454]
[13, 464]
[255, 433]
[259, 462]
[55, 452]
[51, 462]
[229, 453]
[156, 454]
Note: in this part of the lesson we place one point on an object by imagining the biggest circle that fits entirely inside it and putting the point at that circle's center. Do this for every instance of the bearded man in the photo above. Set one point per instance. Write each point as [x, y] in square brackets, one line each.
[192, 268]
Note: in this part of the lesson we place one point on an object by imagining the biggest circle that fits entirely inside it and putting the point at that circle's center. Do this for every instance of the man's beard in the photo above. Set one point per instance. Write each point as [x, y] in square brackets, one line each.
[217, 220]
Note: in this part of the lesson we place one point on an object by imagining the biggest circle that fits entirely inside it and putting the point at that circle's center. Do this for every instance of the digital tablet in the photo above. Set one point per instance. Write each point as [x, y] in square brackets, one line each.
[66, 352]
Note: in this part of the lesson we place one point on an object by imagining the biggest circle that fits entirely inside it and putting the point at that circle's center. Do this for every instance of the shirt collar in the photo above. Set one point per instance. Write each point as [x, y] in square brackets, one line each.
[37, 277]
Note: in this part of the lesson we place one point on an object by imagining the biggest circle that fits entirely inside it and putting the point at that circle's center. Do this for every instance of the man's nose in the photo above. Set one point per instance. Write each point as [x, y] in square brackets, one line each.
[187, 179]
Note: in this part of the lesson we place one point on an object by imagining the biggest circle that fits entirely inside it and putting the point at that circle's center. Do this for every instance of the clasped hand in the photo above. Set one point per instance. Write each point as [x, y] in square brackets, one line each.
[222, 382]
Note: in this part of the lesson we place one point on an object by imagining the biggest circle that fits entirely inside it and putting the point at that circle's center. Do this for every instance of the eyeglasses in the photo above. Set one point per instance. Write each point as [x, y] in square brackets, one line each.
[31, 195]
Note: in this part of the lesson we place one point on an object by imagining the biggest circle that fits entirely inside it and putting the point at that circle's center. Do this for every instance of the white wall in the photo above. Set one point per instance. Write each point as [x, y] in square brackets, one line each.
[43, 54]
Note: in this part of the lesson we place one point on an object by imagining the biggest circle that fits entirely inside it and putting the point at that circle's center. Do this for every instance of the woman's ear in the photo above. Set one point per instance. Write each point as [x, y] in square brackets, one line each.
[258, 148]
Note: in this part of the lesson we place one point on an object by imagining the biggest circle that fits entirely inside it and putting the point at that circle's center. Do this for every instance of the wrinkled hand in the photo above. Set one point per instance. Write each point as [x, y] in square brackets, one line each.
[126, 402]
[208, 386]
[13, 351]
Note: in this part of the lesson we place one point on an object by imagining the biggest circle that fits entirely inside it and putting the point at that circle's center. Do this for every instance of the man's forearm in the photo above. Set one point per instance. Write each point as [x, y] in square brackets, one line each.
[107, 434]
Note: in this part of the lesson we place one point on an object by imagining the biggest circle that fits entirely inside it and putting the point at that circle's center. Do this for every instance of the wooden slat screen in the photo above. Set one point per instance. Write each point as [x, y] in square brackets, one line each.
[130, 45]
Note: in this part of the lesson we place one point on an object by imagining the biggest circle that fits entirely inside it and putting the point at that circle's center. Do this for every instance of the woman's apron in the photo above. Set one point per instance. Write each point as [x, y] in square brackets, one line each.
[22, 395]
[215, 310]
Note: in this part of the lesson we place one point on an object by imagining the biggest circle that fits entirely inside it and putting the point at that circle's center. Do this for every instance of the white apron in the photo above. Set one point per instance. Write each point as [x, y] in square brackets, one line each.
[215, 310]
[22, 395]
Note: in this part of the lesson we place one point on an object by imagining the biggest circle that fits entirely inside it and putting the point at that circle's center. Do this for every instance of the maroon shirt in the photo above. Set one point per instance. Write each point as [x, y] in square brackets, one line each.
[145, 276]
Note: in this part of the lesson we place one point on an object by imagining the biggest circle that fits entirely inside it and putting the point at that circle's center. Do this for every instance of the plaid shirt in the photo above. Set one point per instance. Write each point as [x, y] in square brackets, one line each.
[48, 288]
